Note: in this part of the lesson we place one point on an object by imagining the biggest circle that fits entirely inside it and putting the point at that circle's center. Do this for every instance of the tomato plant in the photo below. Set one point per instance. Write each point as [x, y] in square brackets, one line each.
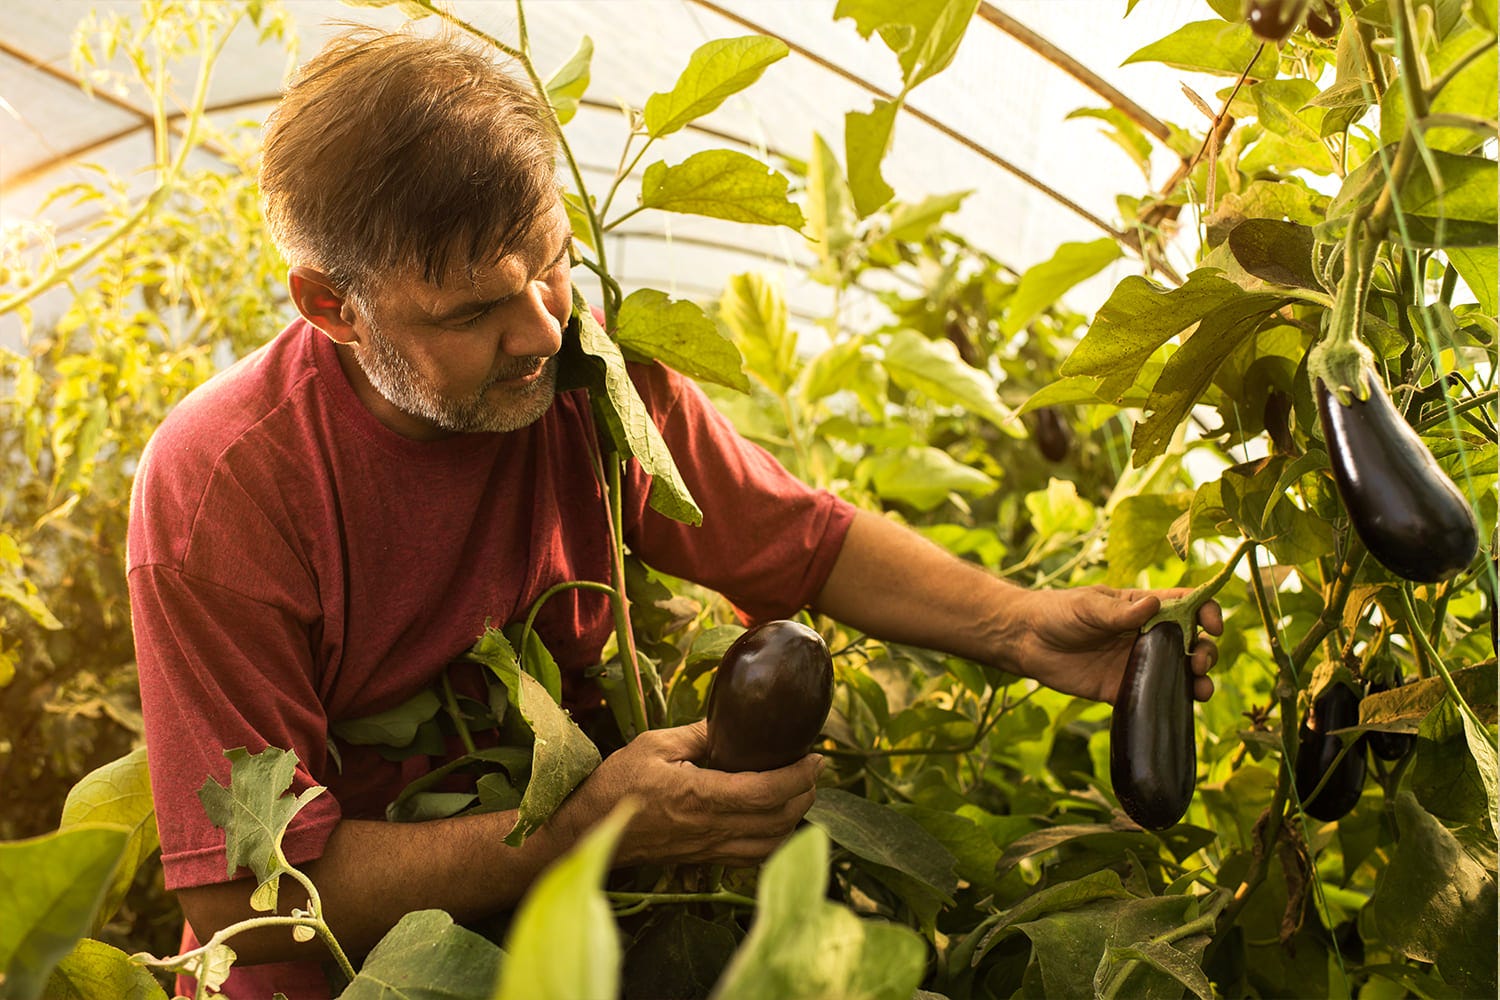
[968, 840]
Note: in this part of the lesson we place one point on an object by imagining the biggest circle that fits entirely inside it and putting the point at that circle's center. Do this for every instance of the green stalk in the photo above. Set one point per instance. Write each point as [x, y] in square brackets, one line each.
[1420, 635]
[1184, 610]
[655, 898]
[625, 638]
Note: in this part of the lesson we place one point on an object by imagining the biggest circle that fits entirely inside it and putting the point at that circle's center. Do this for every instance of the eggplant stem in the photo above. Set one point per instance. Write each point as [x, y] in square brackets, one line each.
[1420, 635]
[1184, 610]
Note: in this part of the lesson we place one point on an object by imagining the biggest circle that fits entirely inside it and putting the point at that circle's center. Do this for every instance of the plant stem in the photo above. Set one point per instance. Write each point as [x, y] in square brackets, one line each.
[450, 702]
[654, 898]
[625, 638]
[1184, 610]
[1333, 609]
[1203, 924]
[1420, 635]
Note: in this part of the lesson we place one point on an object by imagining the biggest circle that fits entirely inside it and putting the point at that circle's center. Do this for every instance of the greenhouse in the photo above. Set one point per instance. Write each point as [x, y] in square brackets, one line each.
[796, 499]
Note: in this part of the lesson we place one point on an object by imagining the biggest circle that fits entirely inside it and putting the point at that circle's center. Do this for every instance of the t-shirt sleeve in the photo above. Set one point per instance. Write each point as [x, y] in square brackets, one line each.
[221, 670]
[768, 540]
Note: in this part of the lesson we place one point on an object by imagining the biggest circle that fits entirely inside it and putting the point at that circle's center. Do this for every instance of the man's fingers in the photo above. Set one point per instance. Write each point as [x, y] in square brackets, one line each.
[1211, 618]
[1205, 655]
[1203, 688]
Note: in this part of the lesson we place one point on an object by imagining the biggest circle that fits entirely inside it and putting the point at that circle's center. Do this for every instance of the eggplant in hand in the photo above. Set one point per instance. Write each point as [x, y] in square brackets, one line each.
[1153, 760]
[770, 698]
[1411, 517]
[1317, 749]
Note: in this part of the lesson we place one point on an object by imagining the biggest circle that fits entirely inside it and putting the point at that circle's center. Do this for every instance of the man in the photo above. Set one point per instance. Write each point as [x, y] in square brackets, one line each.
[321, 530]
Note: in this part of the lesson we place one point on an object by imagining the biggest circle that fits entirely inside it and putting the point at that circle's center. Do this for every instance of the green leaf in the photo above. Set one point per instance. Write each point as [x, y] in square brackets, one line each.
[515, 761]
[209, 964]
[1061, 937]
[1043, 285]
[1276, 251]
[426, 956]
[1482, 747]
[1435, 903]
[934, 368]
[1139, 317]
[395, 727]
[830, 209]
[802, 947]
[850, 365]
[913, 222]
[1477, 267]
[755, 312]
[563, 943]
[1458, 210]
[679, 334]
[567, 86]
[1190, 370]
[716, 71]
[562, 756]
[536, 659]
[924, 476]
[1160, 956]
[1063, 896]
[1283, 108]
[1059, 510]
[867, 138]
[1123, 132]
[595, 361]
[677, 954]
[94, 970]
[119, 793]
[1137, 538]
[722, 184]
[254, 812]
[881, 834]
[1470, 94]
[50, 888]
[924, 34]
[1212, 47]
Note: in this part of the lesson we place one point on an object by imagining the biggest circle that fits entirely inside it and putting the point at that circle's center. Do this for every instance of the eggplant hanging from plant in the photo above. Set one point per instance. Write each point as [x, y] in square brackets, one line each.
[1052, 435]
[1337, 707]
[1388, 746]
[1274, 20]
[1410, 516]
[1153, 759]
[770, 697]
[1324, 20]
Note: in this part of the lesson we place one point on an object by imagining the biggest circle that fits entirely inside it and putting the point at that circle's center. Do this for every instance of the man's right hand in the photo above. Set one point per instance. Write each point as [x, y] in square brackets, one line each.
[691, 814]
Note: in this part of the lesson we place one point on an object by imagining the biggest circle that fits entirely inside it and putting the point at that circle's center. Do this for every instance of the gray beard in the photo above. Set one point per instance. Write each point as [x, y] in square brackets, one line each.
[398, 381]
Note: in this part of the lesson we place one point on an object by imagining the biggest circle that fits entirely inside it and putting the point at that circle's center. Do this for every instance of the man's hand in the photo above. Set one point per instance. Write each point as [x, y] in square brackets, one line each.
[689, 813]
[1078, 641]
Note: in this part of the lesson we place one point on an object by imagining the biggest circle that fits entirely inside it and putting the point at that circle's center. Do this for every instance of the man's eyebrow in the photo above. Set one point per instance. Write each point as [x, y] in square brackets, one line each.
[473, 306]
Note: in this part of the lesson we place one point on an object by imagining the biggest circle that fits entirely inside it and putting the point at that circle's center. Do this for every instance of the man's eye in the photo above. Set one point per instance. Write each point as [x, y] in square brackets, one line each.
[470, 323]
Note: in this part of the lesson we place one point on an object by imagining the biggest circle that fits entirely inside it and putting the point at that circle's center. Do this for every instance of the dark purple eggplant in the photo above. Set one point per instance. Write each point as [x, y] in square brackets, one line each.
[1317, 748]
[1324, 20]
[1388, 746]
[1274, 20]
[770, 698]
[1052, 435]
[1411, 517]
[1153, 760]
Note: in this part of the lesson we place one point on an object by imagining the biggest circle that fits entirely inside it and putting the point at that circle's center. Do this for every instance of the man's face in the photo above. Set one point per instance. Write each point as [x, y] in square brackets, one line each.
[465, 356]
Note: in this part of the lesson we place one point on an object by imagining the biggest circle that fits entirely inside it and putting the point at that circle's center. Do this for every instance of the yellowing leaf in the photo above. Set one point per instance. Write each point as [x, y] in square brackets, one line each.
[715, 71]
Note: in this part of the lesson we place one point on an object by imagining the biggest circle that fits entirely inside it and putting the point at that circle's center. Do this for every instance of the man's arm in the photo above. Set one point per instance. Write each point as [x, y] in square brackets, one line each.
[372, 872]
[892, 583]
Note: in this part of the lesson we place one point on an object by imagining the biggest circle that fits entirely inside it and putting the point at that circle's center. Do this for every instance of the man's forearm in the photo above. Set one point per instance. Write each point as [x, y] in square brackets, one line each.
[371, 873]
[892, 583]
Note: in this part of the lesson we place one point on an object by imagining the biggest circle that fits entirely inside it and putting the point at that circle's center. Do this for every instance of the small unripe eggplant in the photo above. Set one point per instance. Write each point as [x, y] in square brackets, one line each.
[1153, 760]
[1053, 438]
[1336, 708]
[1411, 517]
[1274, 20]
[770, 698]
[1388, 746]
[1324, 20]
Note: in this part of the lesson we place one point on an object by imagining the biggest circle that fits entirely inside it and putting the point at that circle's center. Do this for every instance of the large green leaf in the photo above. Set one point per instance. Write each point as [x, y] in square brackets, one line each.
[1063, 896]
[1477, 266]
[593, 360]
[924, 476]
[1062, 937]
[1282, 106]
[50, 889]
[1471, 94]
[561, 755]
[1138, 527]
[1043, 285]
[566, 86]
[395, 727]
[924, 34]
[1212, 47]
[830, 210]
[881, 834]
[716, 71]
[723, 184]
[914, 221]
[254, 812]
[94, 970]
[1436, 903]
[1276, 251]
[1190, 370]
[847, 365]
[679, 334]
[677, 954]
[119, 793]
[426, 956]
[803, 947]
[755, 312]
[1457, 209]
[1139, 317]
[563, 943]
[934, 369]
[867, 138]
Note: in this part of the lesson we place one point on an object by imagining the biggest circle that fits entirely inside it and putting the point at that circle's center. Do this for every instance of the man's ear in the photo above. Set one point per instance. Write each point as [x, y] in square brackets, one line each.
[321, 304]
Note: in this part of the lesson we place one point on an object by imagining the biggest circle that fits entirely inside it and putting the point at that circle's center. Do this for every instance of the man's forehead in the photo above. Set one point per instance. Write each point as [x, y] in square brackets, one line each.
[464, 278]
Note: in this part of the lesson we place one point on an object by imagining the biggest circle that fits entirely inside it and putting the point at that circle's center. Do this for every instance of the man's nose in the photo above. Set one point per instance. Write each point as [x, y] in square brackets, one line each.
[535, 330]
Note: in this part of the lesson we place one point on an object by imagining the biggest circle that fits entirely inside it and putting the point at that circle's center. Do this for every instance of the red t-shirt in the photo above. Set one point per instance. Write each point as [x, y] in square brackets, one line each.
[294, 563]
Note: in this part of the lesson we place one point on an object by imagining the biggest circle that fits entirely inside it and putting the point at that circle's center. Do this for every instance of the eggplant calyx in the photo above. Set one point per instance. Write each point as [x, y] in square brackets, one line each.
[1345, 367]
[1184, 610]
